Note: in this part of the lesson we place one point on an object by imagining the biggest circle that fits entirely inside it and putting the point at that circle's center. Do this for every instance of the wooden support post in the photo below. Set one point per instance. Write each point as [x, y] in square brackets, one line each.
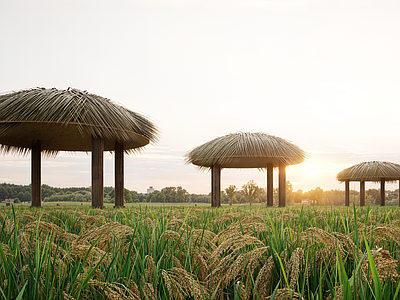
[270, 185]
[362, 193]
[282, 186]
[347, 193]
[216, 186]
[97, 172]
[119, 174]
[383, 192]
[36, 178]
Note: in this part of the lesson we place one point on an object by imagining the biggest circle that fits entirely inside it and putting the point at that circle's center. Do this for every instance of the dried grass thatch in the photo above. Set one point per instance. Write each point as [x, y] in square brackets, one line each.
[65, 120]
[371, 171]
[246, 150]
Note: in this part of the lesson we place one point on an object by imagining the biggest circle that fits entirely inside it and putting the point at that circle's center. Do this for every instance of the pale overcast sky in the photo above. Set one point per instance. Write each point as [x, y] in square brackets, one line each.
[324, 74]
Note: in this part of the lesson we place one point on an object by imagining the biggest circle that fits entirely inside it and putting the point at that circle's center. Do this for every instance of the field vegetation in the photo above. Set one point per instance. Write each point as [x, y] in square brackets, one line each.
[233, 252]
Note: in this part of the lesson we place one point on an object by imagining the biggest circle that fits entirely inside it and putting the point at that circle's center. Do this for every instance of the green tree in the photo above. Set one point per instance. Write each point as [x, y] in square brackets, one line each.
[375, 195]
[127, 196]
[334, 197]
[170, 194]
[21, 195]
[26, 197]
[231, 192]
[3, 193]
[298, 196]
[250, 190]
[316, 196]
[111, 194]
[182, 193]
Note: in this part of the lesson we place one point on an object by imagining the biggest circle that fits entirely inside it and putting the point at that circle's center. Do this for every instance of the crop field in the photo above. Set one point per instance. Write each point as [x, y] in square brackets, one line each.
[237, 252]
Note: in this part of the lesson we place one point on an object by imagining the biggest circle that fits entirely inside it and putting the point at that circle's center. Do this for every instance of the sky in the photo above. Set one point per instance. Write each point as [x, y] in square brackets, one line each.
[323, 74]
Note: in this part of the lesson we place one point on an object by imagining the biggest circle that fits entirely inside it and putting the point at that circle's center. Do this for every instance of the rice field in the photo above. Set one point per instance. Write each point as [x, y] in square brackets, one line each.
[166, 252]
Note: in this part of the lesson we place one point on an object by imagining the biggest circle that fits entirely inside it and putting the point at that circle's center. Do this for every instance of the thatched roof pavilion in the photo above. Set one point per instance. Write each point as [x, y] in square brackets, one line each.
[247, 150]
[49, 120]
[376, 171]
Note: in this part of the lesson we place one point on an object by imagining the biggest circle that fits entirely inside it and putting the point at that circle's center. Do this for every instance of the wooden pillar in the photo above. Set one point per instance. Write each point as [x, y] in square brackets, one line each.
[216, 186]
[347, 193]
[362, 193]
[270, 185]
[282, 186]
[97, 172]
[119, 174]
[383, 193]
[36, 178]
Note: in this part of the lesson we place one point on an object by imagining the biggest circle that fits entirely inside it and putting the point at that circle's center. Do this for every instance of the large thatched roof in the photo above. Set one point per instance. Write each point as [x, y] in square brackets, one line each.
[65, 120]
[246, 150]
[371, 171]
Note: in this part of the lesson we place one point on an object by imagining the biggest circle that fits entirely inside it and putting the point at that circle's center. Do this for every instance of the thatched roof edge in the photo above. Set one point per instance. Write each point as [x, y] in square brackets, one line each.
[373, 171]
[233, 147]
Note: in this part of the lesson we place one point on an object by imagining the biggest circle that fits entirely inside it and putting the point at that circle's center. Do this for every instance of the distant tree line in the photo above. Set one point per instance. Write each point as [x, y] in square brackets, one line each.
[22, 193]
[318, 196]
[249, 193]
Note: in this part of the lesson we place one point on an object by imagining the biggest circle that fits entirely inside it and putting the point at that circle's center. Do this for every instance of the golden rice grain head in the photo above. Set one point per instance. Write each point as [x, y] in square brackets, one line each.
[112, 291]
[173, 287]
[263, 279]
[135, 289]
[233, 244]
[44, 228]
[382, 232]
[94, 256]
[215, 280]
[256, 218]
[6, 250]
[189, 285]
[294, 263]
[67, 296]
[286, 294]
[149, 291]
[385, 265]
[149, 272]
[248, 258]
[203, 266]
[226, 217]
[104, 235]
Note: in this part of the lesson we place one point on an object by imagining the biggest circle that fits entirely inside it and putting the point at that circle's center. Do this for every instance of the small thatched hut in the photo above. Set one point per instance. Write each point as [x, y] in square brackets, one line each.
[49, 120]
[246, 150]
[376, 171]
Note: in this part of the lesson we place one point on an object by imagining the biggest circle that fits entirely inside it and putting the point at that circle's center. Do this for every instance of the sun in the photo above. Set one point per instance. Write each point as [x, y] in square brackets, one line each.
[311, 170]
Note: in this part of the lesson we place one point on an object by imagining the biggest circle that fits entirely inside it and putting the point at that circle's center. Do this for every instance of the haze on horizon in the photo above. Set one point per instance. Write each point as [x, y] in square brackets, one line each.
[323, 74]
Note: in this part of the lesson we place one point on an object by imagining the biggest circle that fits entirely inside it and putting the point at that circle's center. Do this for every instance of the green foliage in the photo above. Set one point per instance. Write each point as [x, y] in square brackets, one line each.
[3, 193]
[316, 196]
[231, 192]
[250, 191]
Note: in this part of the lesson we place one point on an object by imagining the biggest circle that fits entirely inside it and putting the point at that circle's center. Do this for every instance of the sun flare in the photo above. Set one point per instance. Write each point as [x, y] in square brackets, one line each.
[311, 170]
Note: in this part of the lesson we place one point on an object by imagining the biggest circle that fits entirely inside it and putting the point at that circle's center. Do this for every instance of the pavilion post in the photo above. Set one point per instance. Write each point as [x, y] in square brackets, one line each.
[97, 172]
[282, 185]
[362, 193]
[216, 186]
[119, 174]
[36, 180]
[270, 185]
[383, 192]
[347, 193]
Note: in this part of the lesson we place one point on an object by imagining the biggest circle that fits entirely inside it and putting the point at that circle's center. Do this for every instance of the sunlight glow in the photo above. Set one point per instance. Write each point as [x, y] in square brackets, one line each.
[311, 170]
